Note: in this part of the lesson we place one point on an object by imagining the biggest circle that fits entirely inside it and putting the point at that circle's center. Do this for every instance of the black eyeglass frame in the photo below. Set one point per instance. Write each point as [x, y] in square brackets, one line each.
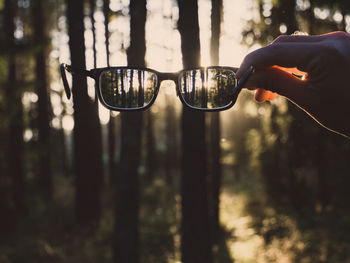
[161, 76]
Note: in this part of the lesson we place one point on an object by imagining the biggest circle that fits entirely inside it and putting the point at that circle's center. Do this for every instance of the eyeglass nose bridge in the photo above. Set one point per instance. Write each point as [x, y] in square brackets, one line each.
[172, 76]
[168, 76]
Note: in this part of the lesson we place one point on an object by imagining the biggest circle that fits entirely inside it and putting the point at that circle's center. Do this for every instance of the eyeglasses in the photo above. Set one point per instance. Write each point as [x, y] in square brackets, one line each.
[130, 89]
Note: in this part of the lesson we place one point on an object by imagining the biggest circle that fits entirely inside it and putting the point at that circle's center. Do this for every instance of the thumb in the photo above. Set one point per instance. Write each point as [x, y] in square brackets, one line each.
[262, 95]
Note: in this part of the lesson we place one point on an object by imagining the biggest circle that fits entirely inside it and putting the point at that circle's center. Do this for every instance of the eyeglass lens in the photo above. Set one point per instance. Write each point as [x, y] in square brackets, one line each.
[210, 88]
[127, 88]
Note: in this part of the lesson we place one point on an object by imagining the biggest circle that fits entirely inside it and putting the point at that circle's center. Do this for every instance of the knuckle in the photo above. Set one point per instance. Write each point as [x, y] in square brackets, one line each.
[248, 60]
[281, 38]
[342, 35]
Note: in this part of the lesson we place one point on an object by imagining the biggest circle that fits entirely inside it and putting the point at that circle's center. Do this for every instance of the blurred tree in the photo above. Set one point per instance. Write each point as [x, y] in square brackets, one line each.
[151, 155]
[126, 224]
[195, 226]
[215, 133]
[343, 7]
[13, 93]
[92, 6]
[42, 82]
[111, 123]
[98, 131]
[172, 151]
[106, 14]
[87, 143]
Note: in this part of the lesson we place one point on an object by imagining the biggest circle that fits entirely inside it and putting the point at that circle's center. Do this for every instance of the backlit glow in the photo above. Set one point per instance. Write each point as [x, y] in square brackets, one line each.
[163, 40]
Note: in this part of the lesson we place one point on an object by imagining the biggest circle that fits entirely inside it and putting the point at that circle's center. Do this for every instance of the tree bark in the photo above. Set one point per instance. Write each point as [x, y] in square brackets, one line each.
[215, 132]
[151, 156]
[111, 123]
[40, 34]
[87, 142]
[126, 227]
[195, 239]
[13, 94]
[172, 150]
[98, 129]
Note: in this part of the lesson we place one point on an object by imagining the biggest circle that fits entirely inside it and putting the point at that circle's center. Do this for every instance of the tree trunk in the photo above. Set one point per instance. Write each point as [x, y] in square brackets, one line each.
[151, 156]
[195, 239]
[290, 17]
[172, 151]
[13, 94]
[111, 150]
[215, 133]
[40, 34]
[87, 142]
[111, 123]
[126, 227]
[98, 128]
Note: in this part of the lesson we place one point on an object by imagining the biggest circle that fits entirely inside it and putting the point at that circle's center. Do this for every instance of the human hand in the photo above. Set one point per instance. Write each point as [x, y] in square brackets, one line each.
[324, 93]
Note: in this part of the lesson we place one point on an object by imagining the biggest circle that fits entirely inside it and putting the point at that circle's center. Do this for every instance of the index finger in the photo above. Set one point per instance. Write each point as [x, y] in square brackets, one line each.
[284, 54]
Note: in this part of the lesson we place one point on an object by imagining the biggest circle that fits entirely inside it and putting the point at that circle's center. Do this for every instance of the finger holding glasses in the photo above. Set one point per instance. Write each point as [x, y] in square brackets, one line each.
[323, 92]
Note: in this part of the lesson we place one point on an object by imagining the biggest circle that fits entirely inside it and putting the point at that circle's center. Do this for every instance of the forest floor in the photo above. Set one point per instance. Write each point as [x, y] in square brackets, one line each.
[244, 243]
[242, 198]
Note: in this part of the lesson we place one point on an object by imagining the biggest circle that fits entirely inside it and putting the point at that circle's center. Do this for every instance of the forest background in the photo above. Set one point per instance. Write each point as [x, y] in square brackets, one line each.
[256, 183]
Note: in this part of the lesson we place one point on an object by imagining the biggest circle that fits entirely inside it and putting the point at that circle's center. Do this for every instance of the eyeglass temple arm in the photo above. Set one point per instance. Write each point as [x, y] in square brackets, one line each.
[69, 68]
[241, 82]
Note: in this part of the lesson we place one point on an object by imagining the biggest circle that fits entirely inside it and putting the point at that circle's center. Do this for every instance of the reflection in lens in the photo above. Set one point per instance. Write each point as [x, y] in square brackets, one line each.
[127, 88]
[209, 88]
